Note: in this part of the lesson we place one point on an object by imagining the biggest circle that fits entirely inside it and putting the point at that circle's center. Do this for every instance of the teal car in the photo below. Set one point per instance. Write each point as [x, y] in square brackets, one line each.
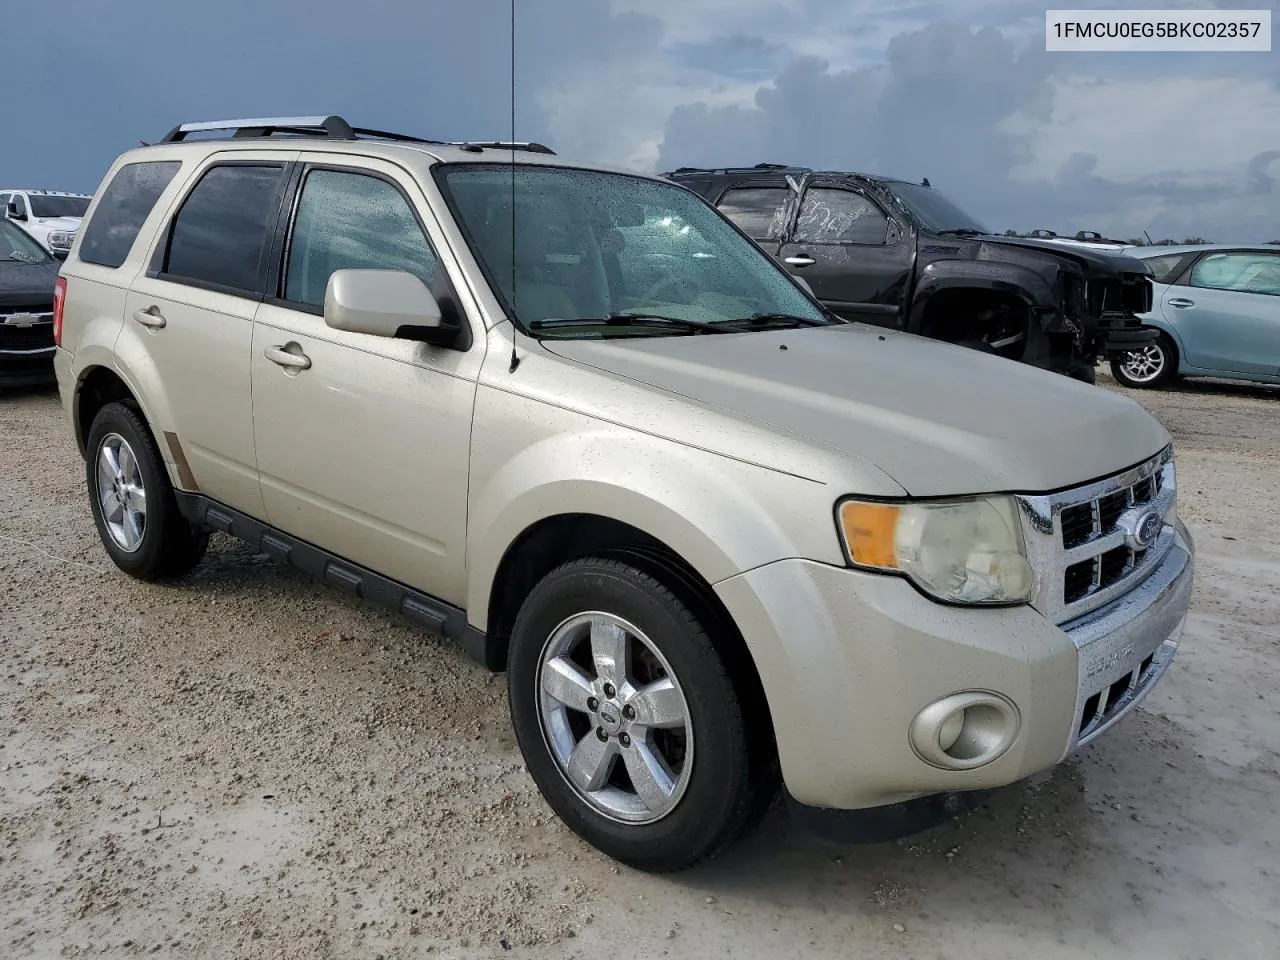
[1217, 307]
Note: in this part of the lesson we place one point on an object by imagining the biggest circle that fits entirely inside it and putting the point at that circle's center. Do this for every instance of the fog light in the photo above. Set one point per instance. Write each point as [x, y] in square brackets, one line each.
[965, 730]
[950, 730]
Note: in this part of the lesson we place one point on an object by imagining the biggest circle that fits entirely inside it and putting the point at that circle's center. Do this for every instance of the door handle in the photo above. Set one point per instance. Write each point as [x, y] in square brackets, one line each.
[283, 358]
[800, 260]
[1181, 302]
[150, 317]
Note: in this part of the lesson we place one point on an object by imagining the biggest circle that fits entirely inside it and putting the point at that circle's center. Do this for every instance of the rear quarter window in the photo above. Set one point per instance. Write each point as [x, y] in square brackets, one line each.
[125, 205]
[1164, 269]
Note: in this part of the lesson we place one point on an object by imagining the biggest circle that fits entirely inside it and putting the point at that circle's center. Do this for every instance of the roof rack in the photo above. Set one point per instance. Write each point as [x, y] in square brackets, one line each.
[329, 128]
[758, 166]
[478, 145]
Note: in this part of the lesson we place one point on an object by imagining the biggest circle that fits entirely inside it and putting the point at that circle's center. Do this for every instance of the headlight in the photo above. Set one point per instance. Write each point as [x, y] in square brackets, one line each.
[959, 551]
[60, 238]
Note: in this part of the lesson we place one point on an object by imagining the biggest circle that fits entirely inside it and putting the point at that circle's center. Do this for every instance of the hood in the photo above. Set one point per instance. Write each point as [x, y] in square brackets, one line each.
[27, 284]
[1099, 260]
[939, 419]
[59, 223]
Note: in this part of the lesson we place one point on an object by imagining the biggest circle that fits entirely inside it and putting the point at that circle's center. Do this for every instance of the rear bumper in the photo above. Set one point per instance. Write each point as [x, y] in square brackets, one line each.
[850, 662]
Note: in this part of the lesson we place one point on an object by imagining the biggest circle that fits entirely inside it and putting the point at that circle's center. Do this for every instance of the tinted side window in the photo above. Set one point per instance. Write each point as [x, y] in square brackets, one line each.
[840, 216]
[351, 221]
[1242, 272]
[757, 210]
[221, 233]
[124, 206]
[1165, 268]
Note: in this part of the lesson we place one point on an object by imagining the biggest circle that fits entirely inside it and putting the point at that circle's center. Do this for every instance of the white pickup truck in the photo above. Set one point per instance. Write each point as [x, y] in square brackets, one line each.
[49, 217]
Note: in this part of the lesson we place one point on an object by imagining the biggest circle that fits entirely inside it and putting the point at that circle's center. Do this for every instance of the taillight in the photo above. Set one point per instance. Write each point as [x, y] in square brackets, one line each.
[59, 300]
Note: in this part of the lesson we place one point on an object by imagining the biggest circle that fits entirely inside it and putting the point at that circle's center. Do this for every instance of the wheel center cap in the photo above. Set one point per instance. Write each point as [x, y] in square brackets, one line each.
[610, 717]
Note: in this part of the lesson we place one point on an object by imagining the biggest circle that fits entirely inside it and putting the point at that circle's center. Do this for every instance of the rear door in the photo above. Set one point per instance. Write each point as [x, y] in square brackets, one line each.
[194, 307]
[365, 449]
[1227, 311]
[854, 255]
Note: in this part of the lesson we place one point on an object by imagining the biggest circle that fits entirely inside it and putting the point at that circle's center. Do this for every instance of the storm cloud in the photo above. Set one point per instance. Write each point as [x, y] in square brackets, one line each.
[964, 94]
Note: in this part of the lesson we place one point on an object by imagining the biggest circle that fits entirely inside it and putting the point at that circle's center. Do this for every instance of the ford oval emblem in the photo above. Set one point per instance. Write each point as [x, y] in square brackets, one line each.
[1141, 527]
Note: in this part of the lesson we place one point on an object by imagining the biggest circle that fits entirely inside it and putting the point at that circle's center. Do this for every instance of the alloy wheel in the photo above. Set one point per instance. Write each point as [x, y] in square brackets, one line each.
[122, 494]
[615, 718]
[1145, 365]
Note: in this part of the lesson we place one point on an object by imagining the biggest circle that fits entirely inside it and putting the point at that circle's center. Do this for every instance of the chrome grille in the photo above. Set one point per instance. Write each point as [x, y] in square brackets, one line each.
[1082, 554]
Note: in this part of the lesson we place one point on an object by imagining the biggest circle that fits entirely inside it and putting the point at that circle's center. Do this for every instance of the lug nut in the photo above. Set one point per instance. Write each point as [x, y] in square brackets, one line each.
[593, 704]
[600, 734]
[609, 691]
[625, 740]
[629, 712]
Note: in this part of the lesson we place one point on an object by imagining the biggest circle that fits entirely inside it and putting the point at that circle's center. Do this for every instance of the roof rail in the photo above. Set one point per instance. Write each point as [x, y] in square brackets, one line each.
[758, 166]
[478, 145]
[334, 128]
[330, 128]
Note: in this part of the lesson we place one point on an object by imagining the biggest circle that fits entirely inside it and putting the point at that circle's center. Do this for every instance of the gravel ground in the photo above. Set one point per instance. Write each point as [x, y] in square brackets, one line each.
[248, 765]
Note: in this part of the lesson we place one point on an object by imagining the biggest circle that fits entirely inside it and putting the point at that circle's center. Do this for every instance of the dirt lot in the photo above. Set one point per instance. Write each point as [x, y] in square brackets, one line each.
[248, 765]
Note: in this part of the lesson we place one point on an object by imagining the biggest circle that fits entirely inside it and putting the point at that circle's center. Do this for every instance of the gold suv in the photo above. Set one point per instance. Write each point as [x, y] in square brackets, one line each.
[722, 541]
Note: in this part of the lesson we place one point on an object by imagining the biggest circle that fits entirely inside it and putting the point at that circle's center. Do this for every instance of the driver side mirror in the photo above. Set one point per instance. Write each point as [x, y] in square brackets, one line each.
[385, 303]
[14, 212]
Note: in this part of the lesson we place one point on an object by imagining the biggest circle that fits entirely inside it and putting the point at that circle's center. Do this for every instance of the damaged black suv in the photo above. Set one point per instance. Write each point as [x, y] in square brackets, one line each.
[901, 255]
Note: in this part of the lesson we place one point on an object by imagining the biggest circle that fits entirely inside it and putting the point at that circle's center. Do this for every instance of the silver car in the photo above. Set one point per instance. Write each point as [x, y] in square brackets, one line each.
[1217, 307]
[724, 544]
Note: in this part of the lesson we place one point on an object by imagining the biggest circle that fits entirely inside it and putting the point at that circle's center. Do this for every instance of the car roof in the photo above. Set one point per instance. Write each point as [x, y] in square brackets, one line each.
[779, 170]
[429, 154]
[46, 193]
[1182, 248]
[332, 134]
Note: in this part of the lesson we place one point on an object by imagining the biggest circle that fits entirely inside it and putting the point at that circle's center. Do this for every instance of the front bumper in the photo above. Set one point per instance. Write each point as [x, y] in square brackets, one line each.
[26, 367]
[849, 660]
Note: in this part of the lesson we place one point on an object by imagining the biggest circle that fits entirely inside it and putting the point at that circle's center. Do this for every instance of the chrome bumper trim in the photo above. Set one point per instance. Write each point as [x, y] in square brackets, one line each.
[1126, 647]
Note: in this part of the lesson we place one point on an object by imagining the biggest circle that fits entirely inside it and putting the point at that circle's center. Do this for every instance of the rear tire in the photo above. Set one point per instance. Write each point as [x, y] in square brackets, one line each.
[1152, 366]
[597, 744]
[132, 499]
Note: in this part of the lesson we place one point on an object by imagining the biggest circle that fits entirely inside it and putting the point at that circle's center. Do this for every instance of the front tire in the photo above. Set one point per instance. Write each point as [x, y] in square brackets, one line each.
[132, 500]
[628, 719]
[1152, 366]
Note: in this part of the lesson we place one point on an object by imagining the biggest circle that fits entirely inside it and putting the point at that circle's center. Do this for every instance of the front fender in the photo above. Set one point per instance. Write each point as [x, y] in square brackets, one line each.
[1003, 278]
[709, 509]
[1157, 321]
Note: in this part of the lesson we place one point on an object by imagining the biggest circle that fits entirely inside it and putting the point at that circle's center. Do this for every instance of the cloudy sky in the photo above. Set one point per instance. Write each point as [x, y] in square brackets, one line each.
[960, 91]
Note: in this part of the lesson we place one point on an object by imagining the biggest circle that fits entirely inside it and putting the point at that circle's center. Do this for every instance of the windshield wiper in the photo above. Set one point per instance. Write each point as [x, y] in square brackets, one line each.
[633, 320]
[961, 232]
[782, 320]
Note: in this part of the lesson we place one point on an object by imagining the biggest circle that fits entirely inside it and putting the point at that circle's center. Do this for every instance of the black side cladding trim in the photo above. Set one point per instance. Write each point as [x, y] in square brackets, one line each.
[427, 611]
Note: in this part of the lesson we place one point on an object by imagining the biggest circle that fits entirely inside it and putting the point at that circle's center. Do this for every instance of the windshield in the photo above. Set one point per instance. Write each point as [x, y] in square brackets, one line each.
[934, 211]
[591, 245]
[16, 245]
[57, 206]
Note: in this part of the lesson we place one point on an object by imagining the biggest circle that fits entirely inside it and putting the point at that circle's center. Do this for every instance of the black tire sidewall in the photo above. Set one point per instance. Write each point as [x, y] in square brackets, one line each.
[719, 793]
[166, 536]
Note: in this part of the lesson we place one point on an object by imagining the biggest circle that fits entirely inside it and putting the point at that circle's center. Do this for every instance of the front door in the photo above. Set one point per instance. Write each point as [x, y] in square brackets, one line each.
[1228, 312]
[854, 256]
[195, 305]
[363, 441]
